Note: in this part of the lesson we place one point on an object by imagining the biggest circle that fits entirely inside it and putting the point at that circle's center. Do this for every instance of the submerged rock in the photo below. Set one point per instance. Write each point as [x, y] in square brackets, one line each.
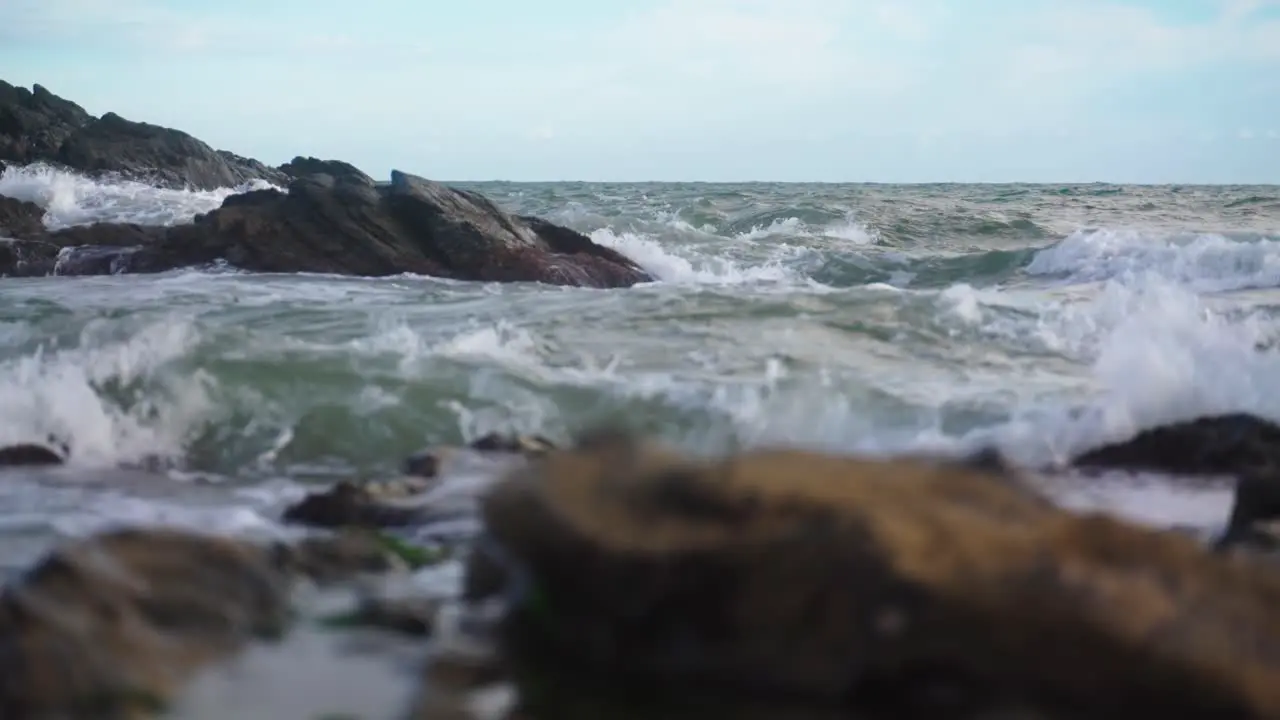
[890, 586]
[391, 503]
[111, 626]
[354, 504]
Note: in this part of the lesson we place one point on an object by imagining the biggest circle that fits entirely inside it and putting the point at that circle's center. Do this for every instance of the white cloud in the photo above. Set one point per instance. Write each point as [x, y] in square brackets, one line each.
[1245, 134]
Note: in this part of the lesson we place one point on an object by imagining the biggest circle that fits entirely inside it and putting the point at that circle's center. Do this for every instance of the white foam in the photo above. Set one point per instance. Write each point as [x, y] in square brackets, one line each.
[64, 393]
[72, 199]
[1202, 262]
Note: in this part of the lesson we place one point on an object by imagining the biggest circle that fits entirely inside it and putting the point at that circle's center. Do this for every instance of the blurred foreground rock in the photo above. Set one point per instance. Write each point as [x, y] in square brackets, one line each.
[899, 588]
[113, 625]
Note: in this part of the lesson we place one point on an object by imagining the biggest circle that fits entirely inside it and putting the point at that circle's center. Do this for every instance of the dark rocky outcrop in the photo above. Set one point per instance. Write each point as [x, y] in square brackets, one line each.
[1230, 444]
[156, 155]
[901, 587]
[300, 167]
[348, 225]
[20, 219]
[35, 123]
[111, 626]
[38, 126]
[1240, 446]
[333, 218]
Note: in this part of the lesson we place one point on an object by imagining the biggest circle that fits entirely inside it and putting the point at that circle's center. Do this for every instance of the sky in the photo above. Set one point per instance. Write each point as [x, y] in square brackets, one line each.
[1151, 91]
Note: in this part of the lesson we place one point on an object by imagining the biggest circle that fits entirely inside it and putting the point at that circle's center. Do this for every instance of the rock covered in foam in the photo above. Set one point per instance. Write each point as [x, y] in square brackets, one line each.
[900, 585]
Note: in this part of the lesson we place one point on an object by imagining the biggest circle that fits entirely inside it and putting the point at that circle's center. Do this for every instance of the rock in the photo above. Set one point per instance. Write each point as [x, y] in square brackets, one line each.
[897, 586]
[426, 463]
[29, 455]
[339, 557]
[20, 219]
[1228, 445]
[340, 171]
[1237, 445]
[334, 218]
[352, 227]
[34, 123]
[156, 155]
[27, 258]
[406, 616]
[109, 627]
[369, 505]
[113, 625]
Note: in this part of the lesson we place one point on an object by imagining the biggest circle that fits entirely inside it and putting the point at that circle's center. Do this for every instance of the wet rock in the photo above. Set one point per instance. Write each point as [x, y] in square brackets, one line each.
[353, 504]
[405, 616]
[349, 226]
[109, 627]
[336, 169]
[333, 219]
[427, 463]
[157, 155]
[1237, 445]
[113, 625]
[34, 123]
[29, 455]
[338, 557]
[895, 586]
[20, 219]
[1233, 444]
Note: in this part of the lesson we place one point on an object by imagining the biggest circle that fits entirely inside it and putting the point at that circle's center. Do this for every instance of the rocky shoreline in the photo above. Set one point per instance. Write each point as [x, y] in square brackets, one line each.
[615, 577]
[318, 216]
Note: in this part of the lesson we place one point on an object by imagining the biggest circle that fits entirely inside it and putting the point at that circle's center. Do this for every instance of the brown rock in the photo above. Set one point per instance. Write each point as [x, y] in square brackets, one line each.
[111, 626]
[894, 586]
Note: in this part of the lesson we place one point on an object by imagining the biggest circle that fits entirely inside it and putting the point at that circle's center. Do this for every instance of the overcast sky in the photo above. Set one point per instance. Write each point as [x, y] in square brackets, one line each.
[817, 90]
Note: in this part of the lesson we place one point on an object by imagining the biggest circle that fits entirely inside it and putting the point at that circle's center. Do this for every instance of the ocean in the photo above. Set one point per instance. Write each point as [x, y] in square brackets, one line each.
[860, 317]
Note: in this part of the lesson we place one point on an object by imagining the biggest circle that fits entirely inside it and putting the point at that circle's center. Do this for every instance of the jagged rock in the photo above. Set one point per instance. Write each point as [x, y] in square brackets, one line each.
[34, 123]
[38, 126]
[111, 626]
[20, 219]
[895, 586]
[348, 226]
[336, 169]
[157, 155]
[333, 219]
